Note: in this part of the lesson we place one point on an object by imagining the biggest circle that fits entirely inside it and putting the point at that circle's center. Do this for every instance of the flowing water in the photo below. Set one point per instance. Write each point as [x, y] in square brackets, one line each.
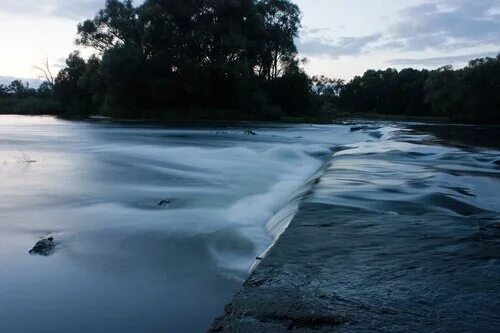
[156, 227]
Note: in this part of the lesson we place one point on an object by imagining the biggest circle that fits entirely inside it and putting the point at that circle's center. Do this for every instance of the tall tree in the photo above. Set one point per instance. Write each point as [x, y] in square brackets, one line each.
[115, 25]
[67, 86]
[281, 20]
[442, 90]
[4, 90]
[190, 54]
[18, 89]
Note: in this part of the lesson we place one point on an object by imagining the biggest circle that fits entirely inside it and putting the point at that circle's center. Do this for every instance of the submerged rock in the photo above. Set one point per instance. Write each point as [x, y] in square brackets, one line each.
[249, 132]
[357, 128]
[43, 247]
[364, 128]
[165, 203]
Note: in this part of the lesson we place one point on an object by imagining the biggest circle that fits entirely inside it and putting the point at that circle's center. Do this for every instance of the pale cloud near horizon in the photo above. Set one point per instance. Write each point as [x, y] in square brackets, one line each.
[71, 9]
[341, 38]
[378, 34]
[439, 61]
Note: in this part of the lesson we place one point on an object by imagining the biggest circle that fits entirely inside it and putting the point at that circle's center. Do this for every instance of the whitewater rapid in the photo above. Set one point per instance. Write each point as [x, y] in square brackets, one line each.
[96, 187]
[157, 226]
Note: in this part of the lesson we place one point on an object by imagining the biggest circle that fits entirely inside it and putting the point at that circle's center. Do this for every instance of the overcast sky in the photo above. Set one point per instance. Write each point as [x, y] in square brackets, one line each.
[341, 38]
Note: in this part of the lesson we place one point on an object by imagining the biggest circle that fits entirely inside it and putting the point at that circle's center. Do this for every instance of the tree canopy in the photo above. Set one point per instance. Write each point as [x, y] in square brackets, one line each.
[237, 59]
[184, 56]
[471, 94]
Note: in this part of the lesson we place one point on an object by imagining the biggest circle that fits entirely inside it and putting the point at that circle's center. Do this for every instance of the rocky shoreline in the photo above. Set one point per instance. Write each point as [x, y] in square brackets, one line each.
[335, 270]
[289, 289]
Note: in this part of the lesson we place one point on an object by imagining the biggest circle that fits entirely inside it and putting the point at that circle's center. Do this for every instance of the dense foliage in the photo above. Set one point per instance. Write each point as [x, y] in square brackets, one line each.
[18, 97]
[471, 94]
[236, 59]
[189, 59]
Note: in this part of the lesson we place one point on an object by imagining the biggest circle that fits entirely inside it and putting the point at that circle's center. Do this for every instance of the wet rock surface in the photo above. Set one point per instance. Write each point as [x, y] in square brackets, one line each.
[43, 247]
[164, 203]
[344, 270]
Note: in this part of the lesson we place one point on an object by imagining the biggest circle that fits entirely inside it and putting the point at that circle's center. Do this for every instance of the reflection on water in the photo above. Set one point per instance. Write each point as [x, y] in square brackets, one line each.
[157, 227]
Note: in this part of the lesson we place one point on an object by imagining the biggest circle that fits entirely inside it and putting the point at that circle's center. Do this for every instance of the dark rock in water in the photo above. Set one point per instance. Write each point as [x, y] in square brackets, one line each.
[164, 203]
[357, 128]
[364, 128]
[376, 135]
[43, 247]
[249, 132]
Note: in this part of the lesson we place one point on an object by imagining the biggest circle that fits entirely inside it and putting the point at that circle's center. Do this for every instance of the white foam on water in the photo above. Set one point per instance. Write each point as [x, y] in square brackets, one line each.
[97, 189]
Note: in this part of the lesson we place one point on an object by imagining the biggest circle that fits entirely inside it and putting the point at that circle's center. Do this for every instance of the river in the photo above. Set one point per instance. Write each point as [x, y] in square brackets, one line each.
[156, 227]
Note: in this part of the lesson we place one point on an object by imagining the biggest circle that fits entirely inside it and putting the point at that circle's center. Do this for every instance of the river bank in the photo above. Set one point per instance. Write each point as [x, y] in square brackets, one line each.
[320, 277]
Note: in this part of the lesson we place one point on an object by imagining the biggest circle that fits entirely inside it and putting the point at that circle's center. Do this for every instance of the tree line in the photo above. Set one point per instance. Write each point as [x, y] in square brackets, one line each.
[471, 94]
[237, 59]
[18, 97]
[20, 89]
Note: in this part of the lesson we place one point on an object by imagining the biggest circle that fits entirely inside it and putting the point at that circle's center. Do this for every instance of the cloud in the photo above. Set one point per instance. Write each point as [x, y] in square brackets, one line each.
[72, 9]
[318, 47]
[441, 61]
[309, 31]
[79, 8]
[439, 25]
[446, 26]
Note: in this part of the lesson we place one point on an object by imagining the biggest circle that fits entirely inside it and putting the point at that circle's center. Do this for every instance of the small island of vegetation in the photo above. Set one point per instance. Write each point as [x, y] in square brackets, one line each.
[234, 60]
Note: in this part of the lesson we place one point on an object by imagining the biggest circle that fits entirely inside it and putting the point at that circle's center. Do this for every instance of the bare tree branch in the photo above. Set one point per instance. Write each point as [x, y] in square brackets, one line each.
[47, 73]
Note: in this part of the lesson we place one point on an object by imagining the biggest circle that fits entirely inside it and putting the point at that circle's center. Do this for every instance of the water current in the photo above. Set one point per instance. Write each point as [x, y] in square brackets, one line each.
[157, 226]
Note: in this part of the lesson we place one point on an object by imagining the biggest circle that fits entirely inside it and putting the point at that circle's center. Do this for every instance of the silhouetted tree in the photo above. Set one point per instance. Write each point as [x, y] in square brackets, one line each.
[19, 89]
[4, 91]
[442, 87]
[187, 58]
[281, 20]
[70, 87]
[471, 94]
[478, 96]
[326, 94]
[188, 55]
[45, 90]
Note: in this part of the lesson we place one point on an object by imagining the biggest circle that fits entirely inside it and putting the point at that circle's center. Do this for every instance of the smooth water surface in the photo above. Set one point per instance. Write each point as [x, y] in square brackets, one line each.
[125, 263]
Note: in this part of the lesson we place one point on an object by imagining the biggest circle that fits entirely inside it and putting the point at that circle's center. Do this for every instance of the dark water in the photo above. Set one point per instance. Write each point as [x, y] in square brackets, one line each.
[124, 264]
[416, 231]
